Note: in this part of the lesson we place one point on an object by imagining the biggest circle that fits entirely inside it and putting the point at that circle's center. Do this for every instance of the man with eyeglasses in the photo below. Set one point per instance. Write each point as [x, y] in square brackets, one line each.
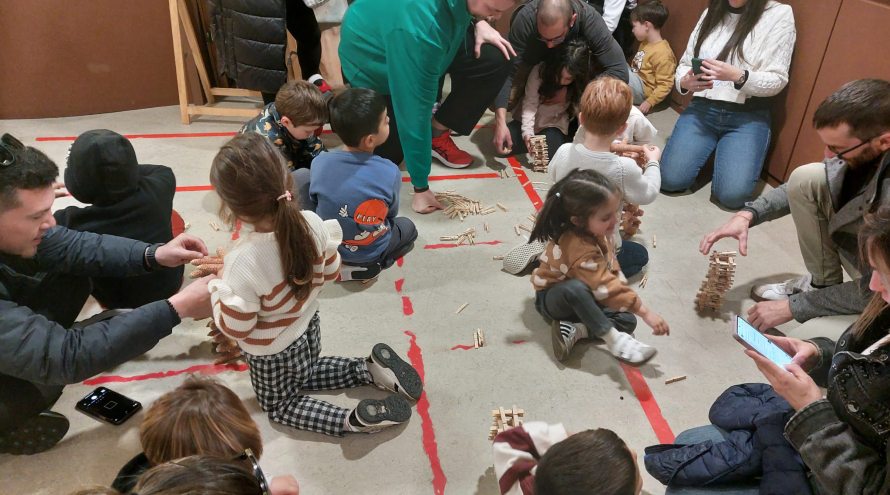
[540, 26]
[827, 202]
[44, 284]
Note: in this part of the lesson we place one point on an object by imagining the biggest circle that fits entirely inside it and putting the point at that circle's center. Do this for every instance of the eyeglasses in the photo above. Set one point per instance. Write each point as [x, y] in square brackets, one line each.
[557, 40]
[840, 154]
[9, 148]
[257, 472]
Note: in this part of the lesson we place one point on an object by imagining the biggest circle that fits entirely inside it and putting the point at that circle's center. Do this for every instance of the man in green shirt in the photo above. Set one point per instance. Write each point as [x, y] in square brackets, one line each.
[402, 49]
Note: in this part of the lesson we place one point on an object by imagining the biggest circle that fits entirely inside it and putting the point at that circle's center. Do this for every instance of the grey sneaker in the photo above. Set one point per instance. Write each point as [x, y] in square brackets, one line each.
[782, 290]
[373, 415]
[390, 372]
[564, 335]
[517, 259]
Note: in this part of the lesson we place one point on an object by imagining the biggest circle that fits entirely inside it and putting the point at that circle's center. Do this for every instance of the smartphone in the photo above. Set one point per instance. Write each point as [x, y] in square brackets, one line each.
[751, 338]
[107, 405]
[696, 65]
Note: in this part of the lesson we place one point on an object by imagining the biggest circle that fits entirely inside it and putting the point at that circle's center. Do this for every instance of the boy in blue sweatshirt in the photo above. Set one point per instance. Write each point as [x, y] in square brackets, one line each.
[360, 189]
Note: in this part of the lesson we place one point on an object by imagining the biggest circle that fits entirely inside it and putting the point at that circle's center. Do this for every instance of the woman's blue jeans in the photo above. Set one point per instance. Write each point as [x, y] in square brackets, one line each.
[739, 138]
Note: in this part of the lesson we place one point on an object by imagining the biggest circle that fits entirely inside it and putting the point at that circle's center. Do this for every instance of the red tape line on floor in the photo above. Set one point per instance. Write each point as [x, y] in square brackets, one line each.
[407, 307]
[637, 382]
[641, 389]
[415, 355]
[458, 177]
[204, 369]
[452, 245]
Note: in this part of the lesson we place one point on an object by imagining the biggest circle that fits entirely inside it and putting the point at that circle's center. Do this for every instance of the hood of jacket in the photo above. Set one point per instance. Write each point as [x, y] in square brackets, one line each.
[102, 168]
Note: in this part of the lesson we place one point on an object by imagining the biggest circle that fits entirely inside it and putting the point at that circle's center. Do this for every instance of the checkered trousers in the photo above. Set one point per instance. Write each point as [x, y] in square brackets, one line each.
[280, 379]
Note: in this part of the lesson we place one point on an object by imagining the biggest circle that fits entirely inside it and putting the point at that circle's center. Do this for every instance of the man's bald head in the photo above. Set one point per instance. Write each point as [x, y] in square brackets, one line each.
[553, 12]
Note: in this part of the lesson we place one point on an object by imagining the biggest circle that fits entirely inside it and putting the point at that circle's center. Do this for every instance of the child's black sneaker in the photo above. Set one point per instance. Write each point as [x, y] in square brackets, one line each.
[35, 435]
[371, 415]
[390, 372]
[563, 335]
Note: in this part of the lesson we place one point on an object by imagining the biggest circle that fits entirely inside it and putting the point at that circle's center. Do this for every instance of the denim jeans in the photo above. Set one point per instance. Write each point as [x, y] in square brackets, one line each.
[738, 136]
[703, 434]
[571, 300]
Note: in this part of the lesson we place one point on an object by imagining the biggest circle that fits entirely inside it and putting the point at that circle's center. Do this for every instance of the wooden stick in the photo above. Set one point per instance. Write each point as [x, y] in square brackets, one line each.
[497, 257]
[516, 228]
[654, 242]
[523, 227]
[502, 206]
[644, 280]
[485, 226]
[214, 226]
[675, 379]
[461, 308]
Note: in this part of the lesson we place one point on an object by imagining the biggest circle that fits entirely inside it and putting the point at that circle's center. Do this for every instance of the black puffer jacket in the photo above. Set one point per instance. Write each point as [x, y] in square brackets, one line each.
[251, 39]
[755, 417]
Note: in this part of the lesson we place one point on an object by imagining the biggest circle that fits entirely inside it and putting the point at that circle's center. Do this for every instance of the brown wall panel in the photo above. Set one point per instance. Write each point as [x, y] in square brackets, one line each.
[73, 58]
[814, 27]
[855, 51]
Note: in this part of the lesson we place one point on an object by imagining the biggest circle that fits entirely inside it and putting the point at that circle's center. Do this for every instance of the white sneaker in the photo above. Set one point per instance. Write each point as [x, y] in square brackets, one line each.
[518, 258]
[631, 350]
[783, 290]
[371, 415]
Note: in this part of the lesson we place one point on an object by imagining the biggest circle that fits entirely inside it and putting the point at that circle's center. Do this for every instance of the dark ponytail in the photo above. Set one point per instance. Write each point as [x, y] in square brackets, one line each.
[254, 184]
[577, 195]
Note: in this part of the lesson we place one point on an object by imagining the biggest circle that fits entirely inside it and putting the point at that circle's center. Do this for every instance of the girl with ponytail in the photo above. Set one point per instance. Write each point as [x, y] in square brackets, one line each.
[579, 285]
[266, 299]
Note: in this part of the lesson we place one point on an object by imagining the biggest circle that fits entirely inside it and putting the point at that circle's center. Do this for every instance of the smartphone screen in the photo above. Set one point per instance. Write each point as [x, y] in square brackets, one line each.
[108, 405]
[696, 65]
[758, 342]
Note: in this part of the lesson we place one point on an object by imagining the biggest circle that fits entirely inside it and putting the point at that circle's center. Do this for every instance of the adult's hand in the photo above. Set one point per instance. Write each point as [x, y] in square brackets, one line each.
[802, 352]
[193, 301]
[502, 141]
[284, 485]
[485, 33]
[792, 383]
[59, 190]
[715, 70]
[769, 314]
[182, 249]
[736, 227]
[695, 83]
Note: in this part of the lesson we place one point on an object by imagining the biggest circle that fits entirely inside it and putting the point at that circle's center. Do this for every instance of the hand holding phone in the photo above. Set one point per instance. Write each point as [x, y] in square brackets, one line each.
[751, 338]
[696, 65]
[107, 405]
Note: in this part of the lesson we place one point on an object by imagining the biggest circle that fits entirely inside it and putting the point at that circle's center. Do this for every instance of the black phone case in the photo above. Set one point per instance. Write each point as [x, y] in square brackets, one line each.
[108, 406]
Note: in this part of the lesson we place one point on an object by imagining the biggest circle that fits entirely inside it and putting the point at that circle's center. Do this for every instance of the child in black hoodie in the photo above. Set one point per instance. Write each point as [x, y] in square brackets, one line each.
[126, 199]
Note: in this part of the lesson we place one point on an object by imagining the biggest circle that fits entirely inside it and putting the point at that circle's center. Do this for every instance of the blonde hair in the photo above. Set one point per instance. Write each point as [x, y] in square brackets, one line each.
[605, 106]
[201, 416]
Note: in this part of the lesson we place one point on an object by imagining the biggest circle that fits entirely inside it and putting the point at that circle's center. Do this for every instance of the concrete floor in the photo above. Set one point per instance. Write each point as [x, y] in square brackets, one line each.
[450, 448]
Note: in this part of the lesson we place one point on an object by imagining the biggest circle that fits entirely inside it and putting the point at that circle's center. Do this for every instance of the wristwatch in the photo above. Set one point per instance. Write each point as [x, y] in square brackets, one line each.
[741, 80]
[150, 262]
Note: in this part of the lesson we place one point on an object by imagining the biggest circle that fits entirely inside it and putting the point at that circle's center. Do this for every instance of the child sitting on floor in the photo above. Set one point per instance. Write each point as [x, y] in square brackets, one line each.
[361, 190]
[540, 458]
[652, 68]
[267, 300]
[291, 121]
[605, 106]
[579, 278]
[551, 95]
[126, 199]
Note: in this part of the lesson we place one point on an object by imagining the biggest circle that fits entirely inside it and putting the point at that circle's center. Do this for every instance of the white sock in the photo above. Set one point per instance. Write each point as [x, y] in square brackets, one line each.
[610, 337]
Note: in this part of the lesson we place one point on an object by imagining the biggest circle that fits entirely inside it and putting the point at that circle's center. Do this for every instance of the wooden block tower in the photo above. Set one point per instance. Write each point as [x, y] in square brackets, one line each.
[504, 419]
[721, 270]
[538, 152]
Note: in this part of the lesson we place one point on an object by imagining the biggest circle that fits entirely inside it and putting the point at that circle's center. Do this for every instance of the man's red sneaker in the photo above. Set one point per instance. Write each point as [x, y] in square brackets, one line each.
[448, 153]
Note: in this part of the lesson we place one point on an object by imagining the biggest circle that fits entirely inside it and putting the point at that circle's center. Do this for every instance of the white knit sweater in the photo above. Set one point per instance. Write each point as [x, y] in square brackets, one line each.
[767, 50]
[253, 302]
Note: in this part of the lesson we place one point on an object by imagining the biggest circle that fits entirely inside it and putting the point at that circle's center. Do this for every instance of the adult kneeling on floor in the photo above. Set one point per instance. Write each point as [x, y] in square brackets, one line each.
[44, 283]
[402, 49]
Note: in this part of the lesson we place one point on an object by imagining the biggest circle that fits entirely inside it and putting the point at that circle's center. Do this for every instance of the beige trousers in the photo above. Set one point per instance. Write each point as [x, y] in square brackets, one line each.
[810, 203]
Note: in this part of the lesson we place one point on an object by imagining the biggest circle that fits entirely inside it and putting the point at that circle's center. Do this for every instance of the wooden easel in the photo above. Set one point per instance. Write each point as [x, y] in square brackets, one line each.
[179, 17]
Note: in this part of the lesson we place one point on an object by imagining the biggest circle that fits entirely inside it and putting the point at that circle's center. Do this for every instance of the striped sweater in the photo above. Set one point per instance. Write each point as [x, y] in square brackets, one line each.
[517, 452]
[253, 303]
